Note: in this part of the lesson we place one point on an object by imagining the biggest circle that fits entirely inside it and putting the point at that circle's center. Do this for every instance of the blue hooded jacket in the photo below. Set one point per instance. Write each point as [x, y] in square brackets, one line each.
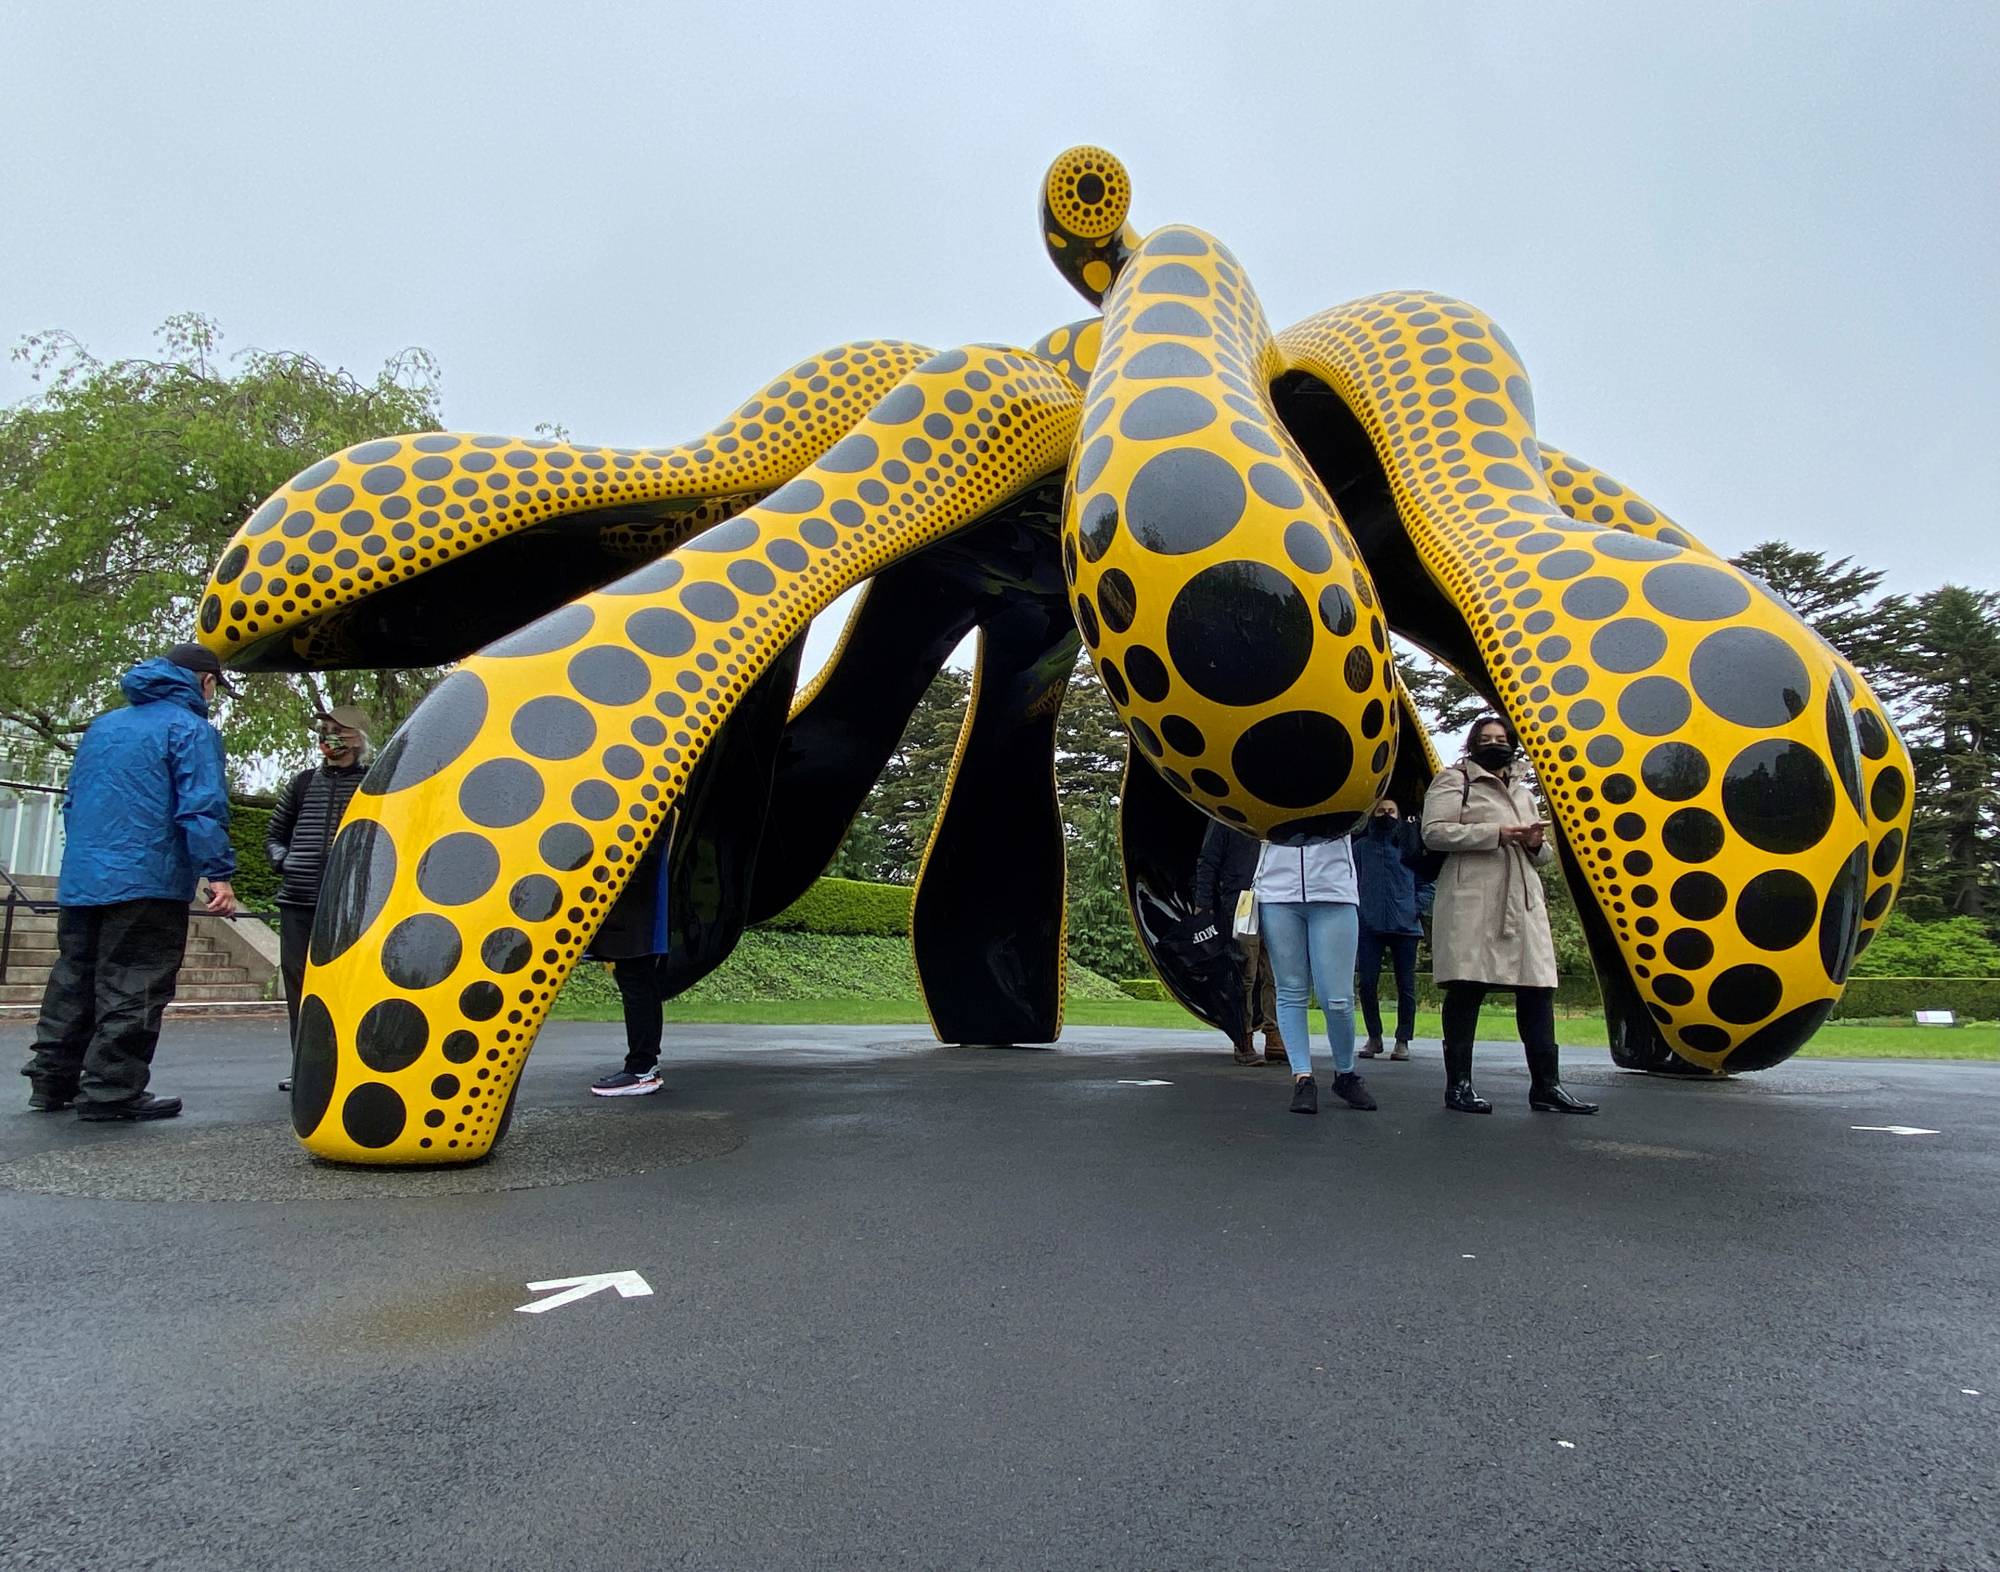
[147, 809]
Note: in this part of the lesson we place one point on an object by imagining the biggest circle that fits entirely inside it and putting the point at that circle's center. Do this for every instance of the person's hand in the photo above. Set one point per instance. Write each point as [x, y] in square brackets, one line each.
[221, 898]
[1532, 835]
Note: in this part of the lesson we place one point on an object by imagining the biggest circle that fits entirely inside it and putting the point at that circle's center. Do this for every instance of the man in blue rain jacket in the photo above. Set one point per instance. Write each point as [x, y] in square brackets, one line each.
[145, 815]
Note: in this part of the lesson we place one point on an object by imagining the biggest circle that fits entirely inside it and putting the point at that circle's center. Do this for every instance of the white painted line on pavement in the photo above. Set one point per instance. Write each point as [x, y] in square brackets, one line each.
[1894, 1129]
[1967, 1391]
[630, 1285]
[1568, 1446]
[1145, 1083]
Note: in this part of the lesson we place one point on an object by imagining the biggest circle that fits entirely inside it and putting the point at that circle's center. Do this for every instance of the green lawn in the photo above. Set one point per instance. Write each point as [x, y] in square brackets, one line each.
[1839, 1040]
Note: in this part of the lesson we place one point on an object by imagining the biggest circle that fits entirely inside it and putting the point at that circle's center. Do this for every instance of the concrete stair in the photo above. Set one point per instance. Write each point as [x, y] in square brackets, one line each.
[229, 968]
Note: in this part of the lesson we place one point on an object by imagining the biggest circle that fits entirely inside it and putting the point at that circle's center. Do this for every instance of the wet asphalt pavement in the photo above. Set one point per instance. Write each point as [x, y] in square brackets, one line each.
[918, 1307]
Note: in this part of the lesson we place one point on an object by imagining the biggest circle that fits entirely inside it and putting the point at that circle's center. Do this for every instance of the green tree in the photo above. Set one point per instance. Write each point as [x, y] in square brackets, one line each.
[1905, 947]
[887, 838]
[1100, 922]
[1443, 698]
[120, 483]
[1943, 685]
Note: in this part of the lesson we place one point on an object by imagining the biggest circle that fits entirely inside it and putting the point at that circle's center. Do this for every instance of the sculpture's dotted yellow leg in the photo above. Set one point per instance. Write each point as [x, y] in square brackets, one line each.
[1692, 735]
[1235, 628]
[386, 511]
[1586, 493]
[500, 822]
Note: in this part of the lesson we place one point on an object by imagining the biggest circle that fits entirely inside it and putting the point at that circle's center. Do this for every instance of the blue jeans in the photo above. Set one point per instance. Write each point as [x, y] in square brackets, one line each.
[1368, 965]
[1311, 945]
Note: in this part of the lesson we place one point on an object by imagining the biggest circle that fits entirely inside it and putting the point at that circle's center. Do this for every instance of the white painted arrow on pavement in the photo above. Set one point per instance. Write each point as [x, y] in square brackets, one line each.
[630, 1285]
[1894, 1129]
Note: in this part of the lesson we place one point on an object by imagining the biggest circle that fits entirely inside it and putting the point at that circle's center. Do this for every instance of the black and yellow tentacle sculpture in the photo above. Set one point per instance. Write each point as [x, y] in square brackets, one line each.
[1232, 521]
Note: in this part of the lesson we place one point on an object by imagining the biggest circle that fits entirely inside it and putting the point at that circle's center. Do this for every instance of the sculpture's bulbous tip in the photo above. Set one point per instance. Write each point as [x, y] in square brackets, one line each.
[1087, 194]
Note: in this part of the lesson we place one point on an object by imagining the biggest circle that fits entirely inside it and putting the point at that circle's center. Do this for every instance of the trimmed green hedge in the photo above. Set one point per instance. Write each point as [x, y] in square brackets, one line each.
[256, 882]
[1148, 988]
[848, 906]
[1970, 998]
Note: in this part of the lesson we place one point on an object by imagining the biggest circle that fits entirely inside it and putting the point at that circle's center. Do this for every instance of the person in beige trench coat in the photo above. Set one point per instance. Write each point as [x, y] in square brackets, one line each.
[1490, 919]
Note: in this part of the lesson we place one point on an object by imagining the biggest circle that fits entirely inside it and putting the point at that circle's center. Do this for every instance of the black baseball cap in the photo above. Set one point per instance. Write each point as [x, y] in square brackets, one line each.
[198, 658]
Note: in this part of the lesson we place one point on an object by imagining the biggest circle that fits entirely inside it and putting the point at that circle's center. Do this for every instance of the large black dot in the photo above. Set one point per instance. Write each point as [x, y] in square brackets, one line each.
[553, 727]
[1843, 746]
[1777, 909]
[1117, 600]
[1183, 500]
[1689, 949]
[1750, 677]
[442, 728]
[1167, 360]
[459, 868]
[710, 602]
[1840, 917]
[1778, 796]
[1699, 896]
[1163, 413]
[1744, 994]
[1654, 706]
[1594, 598]
[1629, 644]
[1885, 797]
[1097, 526]
[659, 631]
[421, 951]
[315, 1065]
[1692, 834]
[460, 1047]
[1874, 735]
[1674, 771]
[499, 793]
[1336, 610]
[1170, 316]
[359, 871]
[391, 1036]
[610, 675]
[535, 897]
[1240, 633]
[1694, 592]
[565, 847]
[1183, 736]
[480, 1001]
[373, 1115]
[506, 950]
[1147, 673]
[1306, 545]
[1294, 759]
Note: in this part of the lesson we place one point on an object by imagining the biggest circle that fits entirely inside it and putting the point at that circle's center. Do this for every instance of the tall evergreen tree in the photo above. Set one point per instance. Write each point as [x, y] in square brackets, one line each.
[1836, 598]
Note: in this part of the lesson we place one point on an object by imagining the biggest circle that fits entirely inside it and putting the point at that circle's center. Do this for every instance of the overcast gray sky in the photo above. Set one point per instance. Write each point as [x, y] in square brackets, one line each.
[1745, 248]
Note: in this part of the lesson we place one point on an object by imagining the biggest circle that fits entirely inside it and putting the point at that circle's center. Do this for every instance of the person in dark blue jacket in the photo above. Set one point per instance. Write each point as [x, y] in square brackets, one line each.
[1387, 851]
[634, 940]
[145, 815]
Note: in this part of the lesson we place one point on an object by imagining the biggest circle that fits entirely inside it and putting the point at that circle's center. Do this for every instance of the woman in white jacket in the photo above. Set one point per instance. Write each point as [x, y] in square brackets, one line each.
[1307, 918]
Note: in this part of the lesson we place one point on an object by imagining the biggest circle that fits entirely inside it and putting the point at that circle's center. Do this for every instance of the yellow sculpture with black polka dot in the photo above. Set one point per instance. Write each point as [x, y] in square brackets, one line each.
[496, 828]
[1236, 631]
[1693, 737]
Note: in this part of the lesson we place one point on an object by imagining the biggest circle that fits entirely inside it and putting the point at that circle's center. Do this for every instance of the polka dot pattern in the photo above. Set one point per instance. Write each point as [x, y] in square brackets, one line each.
[374, 515]
[548, 762]
[1696, 590]
[1211, 574]
[1688, 729]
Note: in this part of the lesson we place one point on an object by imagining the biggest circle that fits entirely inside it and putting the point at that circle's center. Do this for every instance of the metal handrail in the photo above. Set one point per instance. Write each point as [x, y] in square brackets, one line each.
[16, 897]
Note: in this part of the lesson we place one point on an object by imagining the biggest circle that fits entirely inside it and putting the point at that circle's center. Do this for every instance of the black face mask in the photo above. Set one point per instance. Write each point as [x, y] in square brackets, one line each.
[1494, 756]
[1382, 823]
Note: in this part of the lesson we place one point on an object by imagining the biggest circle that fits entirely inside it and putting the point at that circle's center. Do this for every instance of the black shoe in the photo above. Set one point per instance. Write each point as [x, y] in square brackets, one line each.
[1305, 1095]
[1459, 1097]
[50, 1102]
[1353, 1091]
[144, 1106]
[1553, 1099]
[285, 1085]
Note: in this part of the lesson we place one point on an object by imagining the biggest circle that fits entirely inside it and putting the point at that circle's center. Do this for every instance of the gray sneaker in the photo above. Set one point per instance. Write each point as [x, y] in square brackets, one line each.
[627, 1083]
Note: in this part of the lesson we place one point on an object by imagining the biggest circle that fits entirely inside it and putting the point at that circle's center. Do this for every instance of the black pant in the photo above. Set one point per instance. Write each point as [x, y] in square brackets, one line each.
[1402, 948]
[1534, 1018]
[113, 978]
[295, 930]
[641, 989]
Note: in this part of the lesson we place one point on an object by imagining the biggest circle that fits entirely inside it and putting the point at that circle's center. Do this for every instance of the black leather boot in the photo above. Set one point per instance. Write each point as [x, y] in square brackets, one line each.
[1545, 1087]
[1459, 1096]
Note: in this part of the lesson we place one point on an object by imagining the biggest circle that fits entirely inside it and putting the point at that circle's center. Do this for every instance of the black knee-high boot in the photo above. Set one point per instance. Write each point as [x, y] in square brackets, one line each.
[1461, 1023]
[1535, 1015]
